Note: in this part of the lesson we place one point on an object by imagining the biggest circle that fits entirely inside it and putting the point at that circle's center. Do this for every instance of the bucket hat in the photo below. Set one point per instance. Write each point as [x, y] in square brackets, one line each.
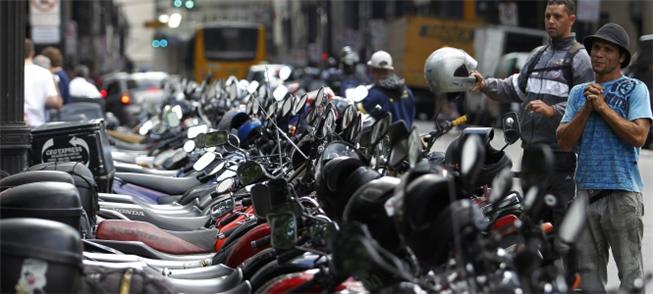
[614, 34]
[381, 59]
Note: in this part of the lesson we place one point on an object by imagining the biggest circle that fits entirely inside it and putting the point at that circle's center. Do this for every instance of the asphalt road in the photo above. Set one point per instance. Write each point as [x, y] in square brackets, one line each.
[646, 170]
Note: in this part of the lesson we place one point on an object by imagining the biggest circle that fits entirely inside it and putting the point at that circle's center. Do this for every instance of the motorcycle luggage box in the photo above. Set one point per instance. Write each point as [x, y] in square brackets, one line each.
[83, 181]
[46, 200]
[39, 256]
[84, 142]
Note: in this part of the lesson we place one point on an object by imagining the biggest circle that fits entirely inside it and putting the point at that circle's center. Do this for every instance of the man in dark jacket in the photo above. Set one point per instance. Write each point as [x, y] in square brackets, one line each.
[542, 86]
[389, 92]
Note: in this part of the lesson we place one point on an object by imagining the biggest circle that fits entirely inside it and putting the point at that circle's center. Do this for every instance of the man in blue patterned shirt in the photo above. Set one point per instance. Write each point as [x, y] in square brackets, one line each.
[608, 120]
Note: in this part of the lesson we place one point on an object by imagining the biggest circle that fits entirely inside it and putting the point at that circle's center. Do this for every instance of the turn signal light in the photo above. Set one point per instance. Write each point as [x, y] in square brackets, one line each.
[125, 99]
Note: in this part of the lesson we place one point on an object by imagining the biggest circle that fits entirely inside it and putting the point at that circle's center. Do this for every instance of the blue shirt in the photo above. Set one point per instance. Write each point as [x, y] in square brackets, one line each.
[605, 161]
[401, 104]
[63, 86]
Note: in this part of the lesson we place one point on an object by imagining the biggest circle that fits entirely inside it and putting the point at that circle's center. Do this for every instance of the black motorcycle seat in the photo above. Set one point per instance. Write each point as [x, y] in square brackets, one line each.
[135, 168]
[168, 185]
[190, 242]
[141, 249]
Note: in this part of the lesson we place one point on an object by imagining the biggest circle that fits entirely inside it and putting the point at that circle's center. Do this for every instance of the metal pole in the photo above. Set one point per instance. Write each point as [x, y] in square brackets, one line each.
[15, 136]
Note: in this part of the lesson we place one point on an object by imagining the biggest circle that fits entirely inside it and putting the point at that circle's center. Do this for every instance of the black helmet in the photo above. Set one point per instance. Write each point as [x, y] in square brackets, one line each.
[495, 160]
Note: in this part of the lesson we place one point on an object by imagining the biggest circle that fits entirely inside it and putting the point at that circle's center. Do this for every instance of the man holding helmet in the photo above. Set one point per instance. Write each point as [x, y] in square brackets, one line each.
[389, 91]
[542, 86]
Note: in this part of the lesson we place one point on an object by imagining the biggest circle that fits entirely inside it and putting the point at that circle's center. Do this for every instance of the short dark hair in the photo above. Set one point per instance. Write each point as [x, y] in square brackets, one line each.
[56, 58]
[29, 48]
[570, 4]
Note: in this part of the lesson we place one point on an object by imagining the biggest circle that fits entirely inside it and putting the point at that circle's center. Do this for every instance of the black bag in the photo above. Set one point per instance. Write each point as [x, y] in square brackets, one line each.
[99, 279]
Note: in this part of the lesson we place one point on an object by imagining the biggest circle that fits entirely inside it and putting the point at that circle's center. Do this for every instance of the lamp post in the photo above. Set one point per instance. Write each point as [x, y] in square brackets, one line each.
[15, 136]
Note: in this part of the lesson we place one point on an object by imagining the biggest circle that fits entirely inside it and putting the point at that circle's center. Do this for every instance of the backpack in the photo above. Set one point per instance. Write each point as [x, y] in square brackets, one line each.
[567, 65]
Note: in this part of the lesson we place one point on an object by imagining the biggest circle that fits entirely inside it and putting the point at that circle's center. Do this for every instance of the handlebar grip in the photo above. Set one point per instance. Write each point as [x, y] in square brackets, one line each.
[459, 121]
[260, 243]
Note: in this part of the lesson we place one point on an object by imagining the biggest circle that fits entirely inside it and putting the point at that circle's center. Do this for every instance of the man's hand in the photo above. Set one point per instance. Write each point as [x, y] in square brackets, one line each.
[594, 95]
[480, 81]
[540, 106]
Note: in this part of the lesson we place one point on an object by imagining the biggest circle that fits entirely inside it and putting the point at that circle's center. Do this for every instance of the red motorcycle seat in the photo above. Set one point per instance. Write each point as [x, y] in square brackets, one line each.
[190, 242]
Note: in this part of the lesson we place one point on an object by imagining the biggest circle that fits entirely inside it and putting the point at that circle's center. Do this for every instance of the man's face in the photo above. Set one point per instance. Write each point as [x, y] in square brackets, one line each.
[606, 57]
[379, 73]
[558, 21]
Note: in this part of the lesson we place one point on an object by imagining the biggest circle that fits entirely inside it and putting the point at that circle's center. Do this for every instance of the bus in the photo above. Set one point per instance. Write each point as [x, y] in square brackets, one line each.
[226, 49]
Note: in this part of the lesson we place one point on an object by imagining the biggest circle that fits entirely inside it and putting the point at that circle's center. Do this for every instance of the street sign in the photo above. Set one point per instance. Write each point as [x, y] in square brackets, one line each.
[45, 17]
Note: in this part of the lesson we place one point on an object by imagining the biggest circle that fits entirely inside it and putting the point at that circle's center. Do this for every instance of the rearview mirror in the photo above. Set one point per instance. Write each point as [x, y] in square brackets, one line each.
[261, 200]
[299, 105]
[279, 93]
[189, 146]
[284, 73]
[379, 129]
[574, 220]
[415, 147]
[319, 98]
[357, 94]
[204, 161]
[398, 143]
[216, 138]
[250, 172]
[501, 185]
[253, 85]
[225, 185]
[284, 230]
[511, 128]
[471, 159]
[171, 118]
[347, 117]
[196, 130]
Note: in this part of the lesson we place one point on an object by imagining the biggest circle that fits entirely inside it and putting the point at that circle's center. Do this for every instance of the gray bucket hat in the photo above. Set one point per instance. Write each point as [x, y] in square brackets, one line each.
[613, 33]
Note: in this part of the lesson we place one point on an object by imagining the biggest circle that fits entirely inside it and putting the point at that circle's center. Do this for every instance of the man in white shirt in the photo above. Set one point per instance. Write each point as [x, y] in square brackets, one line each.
[40, 90]
[80, 87]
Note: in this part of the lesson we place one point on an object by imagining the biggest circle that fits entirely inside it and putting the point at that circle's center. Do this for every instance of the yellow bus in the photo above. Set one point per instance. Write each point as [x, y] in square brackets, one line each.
[226, 49]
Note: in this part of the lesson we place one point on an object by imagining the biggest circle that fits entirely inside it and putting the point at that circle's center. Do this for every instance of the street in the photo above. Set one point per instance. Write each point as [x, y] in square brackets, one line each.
[645, 165]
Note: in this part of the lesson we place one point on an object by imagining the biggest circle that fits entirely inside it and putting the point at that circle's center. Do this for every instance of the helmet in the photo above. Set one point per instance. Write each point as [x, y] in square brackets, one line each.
[232, 120]
[381, 59]
[447, 70]
[248, 131]
[348, 57]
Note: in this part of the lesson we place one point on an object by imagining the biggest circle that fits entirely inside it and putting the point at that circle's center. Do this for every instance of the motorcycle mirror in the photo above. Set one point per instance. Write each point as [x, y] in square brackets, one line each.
[355, 129]
[284, 73]
[379, 129]
[222, 206]
[398, 133]
[262, 91]
[146, 127]
[218, 167]
[177, 110]
[536, 167]
[233, 140]
[189, 146]
[261, 200]
[256, 104]
[347, 117]
[171, 119]
[299, 104]
[415, 147]
[319, 98]
[272, 108]
[357, 94]
[216, 138]
[196, 130]
[501, 185]
[250, 172]
[253, 85]
[228, 173]
[225, 185]
[279, 93]
[287, 106]
[284, 230]
[511, 127]
[574, 220]
[321, 231]
[471, 159]
[249, 108]
[326, 121]
[204, 161]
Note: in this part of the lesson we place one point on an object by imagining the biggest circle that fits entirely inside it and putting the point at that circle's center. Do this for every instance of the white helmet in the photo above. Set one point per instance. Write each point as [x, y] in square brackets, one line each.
[381, 59]
[447, 70]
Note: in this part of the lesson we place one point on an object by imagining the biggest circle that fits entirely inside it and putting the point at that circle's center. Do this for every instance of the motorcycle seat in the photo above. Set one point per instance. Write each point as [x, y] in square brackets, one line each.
[189, 242]
[135, 168]
[166, 222]
[168, 185]
[141, 249]
[121, 198]
[123, 156]
[137, 209]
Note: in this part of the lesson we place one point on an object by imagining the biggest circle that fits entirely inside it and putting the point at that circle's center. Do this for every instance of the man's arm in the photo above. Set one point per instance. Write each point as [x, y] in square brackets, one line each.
[582, 73]
[573, 122]
[632, 130]
[53, 99]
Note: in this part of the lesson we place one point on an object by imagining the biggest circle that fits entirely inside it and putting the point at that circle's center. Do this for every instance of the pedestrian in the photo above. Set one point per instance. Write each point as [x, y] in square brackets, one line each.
[56, 67]
[349, 77]
[542, 87]
[389, 91]
[80, 87]
[40, 89]
[608, 119]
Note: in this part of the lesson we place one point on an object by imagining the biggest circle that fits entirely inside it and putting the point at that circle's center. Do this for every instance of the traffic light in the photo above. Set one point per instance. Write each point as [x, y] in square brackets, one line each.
[160, 43]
